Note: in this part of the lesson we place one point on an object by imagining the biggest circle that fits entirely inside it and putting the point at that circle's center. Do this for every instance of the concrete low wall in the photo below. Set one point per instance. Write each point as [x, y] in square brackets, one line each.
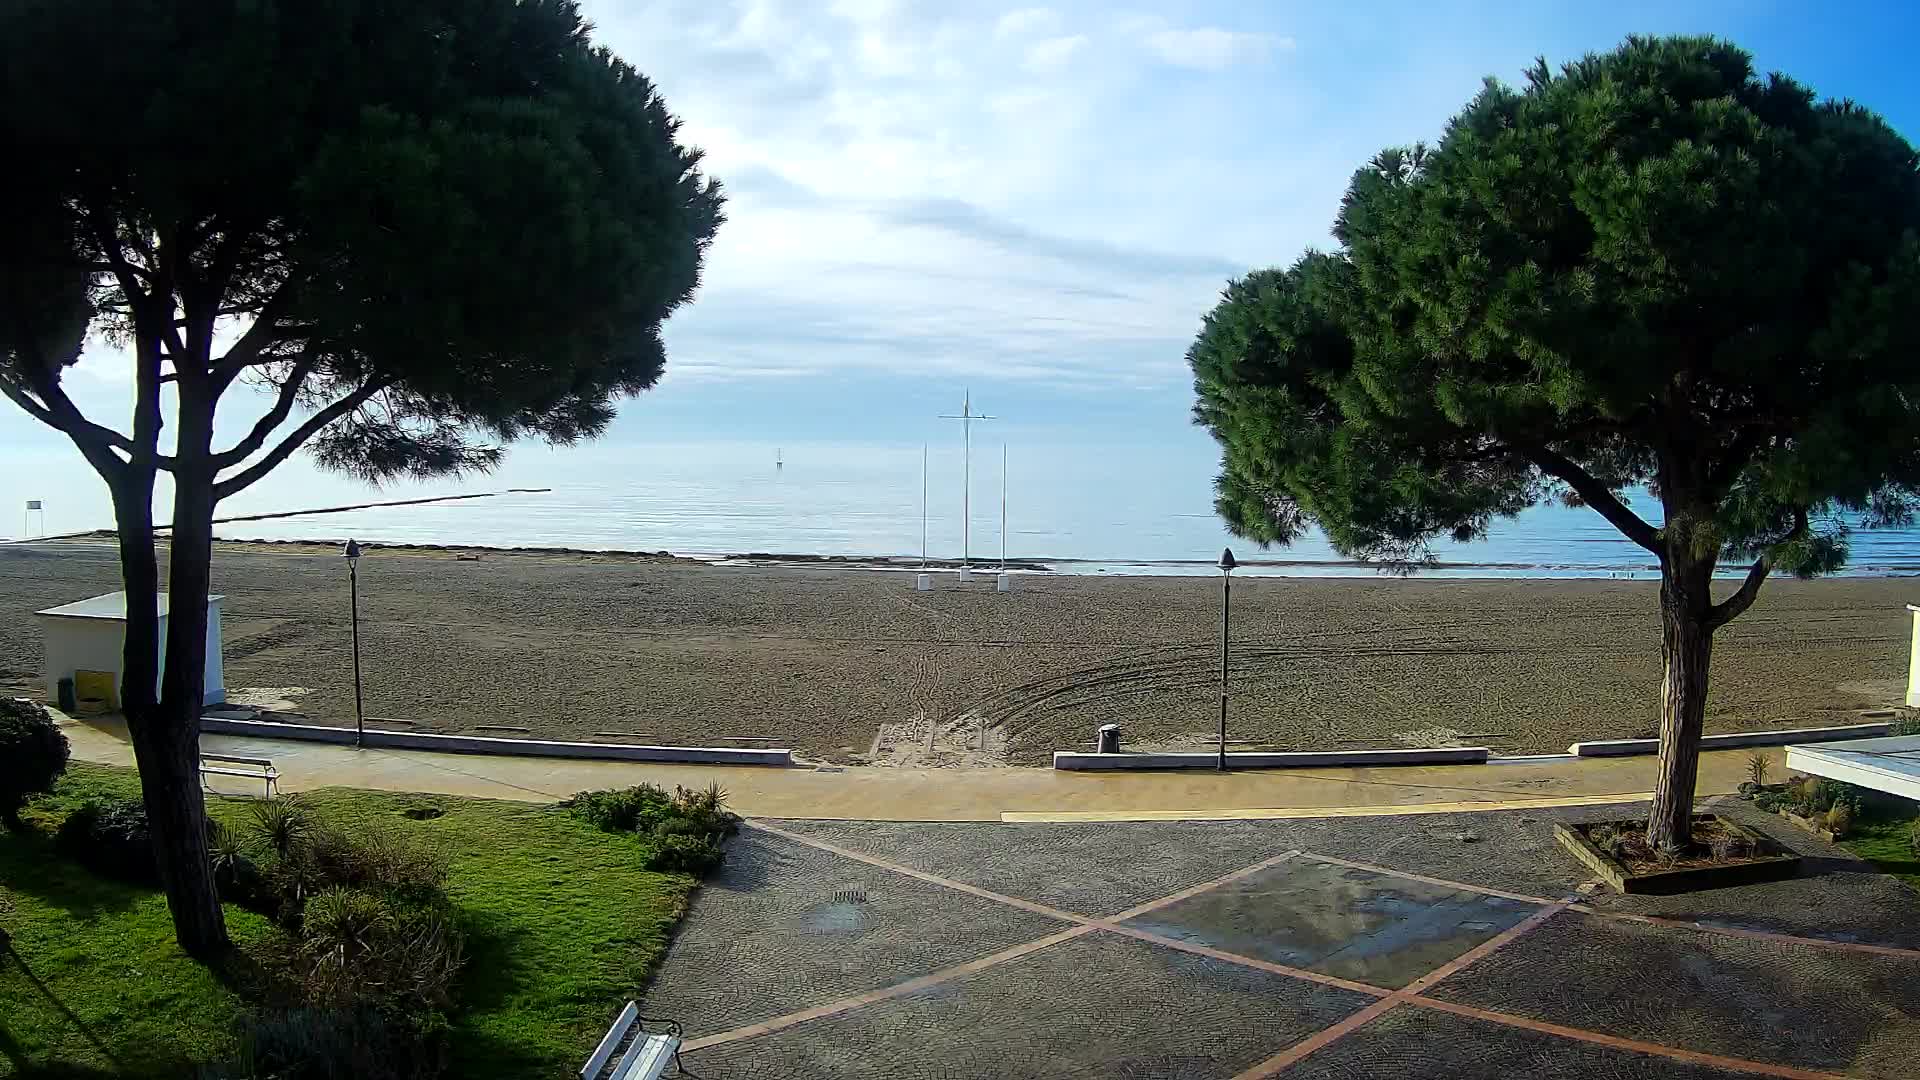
[477, 744]
[1081, 760]
[1732, 741]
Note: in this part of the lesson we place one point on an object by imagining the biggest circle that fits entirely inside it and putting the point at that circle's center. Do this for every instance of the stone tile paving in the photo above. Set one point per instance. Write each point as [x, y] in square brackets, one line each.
[1091, 868]
[1420, 1044]
[862, 970]
[1359, 925]
[1097, 1006]
[783, 927]
[1790, 1004]
[1511, 850]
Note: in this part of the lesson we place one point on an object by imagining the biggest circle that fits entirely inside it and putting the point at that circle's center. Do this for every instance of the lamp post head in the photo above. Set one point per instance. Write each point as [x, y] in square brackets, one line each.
[1226, 561]
[352, 552]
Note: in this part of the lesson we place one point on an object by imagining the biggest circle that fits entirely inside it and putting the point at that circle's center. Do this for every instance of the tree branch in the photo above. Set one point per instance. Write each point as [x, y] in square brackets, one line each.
[65, 416]
[1733, 606]
[1594, 494]
[240, 481]
[58, 412]
[246, 351]
[266, 425]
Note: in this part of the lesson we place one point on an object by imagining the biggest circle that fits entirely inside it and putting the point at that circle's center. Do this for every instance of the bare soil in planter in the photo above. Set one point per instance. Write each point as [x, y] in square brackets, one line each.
[1721, 853]
[1714, 843]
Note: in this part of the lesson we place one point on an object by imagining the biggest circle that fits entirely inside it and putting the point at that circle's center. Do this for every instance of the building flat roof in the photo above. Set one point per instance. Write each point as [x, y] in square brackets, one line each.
[1891, 765]
[111, 605]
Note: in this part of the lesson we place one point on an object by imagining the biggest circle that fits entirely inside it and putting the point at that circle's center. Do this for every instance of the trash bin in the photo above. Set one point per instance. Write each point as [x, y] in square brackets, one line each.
[1108, 741]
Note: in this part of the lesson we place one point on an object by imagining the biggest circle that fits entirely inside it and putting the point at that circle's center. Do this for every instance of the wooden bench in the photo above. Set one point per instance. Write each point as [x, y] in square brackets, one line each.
[629, 1052]
[251, 768]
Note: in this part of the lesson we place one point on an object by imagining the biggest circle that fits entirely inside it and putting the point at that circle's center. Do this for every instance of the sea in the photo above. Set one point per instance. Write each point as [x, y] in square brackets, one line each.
[1071, 508]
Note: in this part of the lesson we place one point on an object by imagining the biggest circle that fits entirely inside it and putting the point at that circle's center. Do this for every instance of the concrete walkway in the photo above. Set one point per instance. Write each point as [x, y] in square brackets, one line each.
[1007, 794]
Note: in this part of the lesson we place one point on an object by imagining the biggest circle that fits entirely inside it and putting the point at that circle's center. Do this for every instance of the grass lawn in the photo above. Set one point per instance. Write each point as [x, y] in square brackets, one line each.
[562, 927]
[1883, 836]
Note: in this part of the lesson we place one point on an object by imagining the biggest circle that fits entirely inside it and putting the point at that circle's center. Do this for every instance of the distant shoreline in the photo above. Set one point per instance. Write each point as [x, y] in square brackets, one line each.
[1304, 569]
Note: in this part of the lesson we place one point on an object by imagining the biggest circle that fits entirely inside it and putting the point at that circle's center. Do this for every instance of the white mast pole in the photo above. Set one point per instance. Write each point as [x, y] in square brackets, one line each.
[1003, 506]
[966, 481]
[923, 506]
[966, 417]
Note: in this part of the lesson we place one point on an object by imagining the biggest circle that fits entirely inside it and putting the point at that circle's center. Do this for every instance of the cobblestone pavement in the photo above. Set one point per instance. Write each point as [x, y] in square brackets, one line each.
[1465, 946]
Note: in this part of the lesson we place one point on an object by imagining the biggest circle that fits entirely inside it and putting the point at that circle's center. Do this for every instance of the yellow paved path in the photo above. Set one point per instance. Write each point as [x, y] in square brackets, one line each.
[959, 794]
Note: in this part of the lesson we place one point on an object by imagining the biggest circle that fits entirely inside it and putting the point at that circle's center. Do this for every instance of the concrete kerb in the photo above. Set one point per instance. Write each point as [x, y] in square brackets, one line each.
[1081, 761]
[1733, 740]
[477, 744]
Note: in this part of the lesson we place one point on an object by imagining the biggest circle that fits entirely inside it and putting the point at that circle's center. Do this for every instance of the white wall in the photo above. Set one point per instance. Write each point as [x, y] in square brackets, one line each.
[76, 644]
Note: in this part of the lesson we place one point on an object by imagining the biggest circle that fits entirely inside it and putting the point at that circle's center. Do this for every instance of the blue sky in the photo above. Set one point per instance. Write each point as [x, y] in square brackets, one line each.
[1039, 202]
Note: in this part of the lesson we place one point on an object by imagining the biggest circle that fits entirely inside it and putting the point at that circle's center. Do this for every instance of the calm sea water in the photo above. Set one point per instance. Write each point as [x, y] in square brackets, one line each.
[1083, 509]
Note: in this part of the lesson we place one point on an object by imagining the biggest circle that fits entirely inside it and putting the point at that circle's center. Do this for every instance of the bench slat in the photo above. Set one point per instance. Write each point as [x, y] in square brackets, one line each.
[649, 1057]
[604, 1051]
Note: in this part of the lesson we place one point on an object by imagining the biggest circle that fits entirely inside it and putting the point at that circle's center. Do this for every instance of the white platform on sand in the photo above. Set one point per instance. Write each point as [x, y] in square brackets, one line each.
[1890, 765]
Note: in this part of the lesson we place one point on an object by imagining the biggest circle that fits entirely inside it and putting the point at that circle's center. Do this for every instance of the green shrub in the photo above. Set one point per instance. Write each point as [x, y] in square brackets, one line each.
[1758, 763]
[356, 949]
[235, 873]
[373, 860]
[1913, 837]
[684, 832]
[33, 754]
[687, 854]
[279, 825]
[1907, 723]
[109, 835]
[634, 809]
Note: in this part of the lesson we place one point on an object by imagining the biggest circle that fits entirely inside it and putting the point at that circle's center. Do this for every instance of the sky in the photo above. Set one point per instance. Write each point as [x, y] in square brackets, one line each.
[1035, 203]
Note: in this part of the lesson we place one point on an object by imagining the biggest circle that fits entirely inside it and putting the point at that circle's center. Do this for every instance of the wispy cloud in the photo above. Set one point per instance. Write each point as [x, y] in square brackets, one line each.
[1021, 21]
[1210, 48]
[1049, 54]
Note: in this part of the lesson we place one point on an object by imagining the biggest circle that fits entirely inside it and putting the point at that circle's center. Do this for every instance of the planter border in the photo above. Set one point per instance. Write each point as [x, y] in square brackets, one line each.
[1734, 740]
[1775, 865]
[1808, 825]
[479, 744]
[1078, 760]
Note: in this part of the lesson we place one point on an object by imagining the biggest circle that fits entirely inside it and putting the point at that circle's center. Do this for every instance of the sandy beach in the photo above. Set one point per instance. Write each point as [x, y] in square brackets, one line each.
[855, 666]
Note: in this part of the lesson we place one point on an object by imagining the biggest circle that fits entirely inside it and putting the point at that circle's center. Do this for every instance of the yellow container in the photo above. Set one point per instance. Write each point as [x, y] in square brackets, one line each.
[98, 685]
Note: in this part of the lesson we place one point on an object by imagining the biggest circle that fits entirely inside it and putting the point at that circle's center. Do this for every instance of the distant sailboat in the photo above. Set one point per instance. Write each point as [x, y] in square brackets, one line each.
[778, 463]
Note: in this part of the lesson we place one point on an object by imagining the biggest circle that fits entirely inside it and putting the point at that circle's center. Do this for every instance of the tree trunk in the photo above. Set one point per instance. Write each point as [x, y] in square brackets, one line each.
[176, 810]
[1686, 647]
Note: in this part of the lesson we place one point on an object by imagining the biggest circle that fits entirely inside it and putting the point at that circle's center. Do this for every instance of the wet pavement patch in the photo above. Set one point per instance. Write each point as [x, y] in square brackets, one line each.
[1355, 924]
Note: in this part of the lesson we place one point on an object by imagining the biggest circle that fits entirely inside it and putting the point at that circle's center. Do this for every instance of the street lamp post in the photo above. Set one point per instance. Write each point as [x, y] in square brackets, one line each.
[353, 588]
[1226, 606]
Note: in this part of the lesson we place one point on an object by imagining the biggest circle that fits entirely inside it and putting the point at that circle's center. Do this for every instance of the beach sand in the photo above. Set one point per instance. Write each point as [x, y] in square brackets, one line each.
[855, 666]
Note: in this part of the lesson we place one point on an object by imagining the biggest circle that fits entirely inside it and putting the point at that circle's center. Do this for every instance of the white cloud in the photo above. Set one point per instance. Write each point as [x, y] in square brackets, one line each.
[936, 188]
[1208, 48]
[1051, 54]
[1034, 20]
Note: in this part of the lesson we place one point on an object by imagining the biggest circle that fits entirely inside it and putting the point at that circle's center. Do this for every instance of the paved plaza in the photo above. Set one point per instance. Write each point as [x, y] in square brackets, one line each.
[1457, 945]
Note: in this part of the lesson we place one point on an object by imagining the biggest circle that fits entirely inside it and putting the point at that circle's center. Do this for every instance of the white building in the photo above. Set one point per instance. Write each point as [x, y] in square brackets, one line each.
[90, 635]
